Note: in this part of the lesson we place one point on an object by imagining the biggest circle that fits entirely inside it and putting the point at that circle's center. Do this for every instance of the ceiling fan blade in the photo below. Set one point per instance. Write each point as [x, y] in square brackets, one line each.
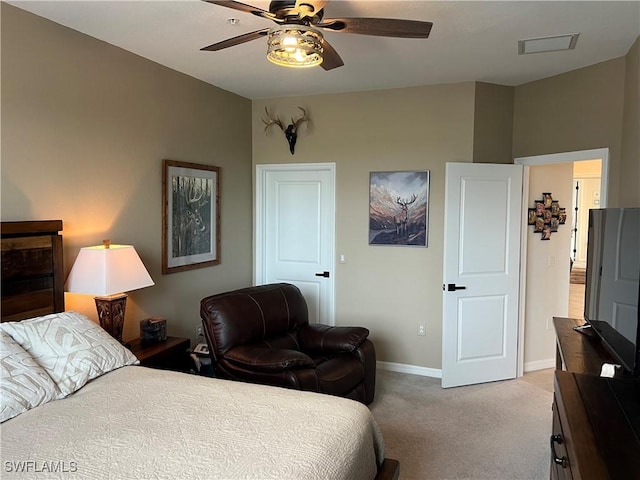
[243, 8]
[230, 42]
[330, 58]
[383, 27]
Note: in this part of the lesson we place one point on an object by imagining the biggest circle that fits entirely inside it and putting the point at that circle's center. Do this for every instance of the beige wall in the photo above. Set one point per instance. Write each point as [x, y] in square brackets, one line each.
[578, 110]
[386, 289]
[547, 267]
[85, 126]
[493, 124]
[587, 169]
[630, 172]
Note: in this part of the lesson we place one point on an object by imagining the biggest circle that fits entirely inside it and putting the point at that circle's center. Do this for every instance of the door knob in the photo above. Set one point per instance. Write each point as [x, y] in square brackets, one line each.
[323, 274]
[451, 287]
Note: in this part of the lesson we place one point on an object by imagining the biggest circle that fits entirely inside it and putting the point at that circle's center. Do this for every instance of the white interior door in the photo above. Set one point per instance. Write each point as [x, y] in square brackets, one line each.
[295, 217]
[483, 209]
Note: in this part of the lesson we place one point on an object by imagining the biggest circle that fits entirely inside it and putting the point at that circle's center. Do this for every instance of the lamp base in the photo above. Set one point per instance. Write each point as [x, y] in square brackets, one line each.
[111, 314]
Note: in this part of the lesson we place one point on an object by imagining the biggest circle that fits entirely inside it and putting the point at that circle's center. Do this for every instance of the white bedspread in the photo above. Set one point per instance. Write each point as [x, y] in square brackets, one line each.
[139, 423]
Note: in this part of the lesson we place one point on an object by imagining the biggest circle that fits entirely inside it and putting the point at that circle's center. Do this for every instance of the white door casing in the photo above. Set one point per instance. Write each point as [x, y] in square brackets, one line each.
[483, 208]
[295, 232]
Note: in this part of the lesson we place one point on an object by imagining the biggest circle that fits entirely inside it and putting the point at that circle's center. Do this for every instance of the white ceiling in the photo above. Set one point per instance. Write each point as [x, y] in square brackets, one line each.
[470, 41]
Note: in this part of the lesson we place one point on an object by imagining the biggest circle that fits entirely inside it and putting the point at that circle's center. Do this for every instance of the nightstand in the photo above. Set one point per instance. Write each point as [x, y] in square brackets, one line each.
[170, 354]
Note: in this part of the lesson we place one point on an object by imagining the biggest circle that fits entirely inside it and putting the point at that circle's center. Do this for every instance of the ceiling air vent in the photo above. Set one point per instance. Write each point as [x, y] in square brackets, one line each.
[548, 44]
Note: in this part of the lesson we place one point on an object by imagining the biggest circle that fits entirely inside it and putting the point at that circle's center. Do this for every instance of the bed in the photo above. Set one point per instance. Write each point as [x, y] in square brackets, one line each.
[99, 415]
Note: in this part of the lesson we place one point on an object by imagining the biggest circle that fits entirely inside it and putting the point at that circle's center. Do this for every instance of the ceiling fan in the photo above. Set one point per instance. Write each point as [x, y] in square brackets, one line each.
[296, 41]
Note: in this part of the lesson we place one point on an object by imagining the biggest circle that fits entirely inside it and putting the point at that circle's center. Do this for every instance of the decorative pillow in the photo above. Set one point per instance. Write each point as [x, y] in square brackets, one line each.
[23, 383]
[70, 348]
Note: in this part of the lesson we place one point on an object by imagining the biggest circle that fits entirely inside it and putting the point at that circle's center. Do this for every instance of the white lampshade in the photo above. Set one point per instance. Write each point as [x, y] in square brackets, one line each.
[107, 270]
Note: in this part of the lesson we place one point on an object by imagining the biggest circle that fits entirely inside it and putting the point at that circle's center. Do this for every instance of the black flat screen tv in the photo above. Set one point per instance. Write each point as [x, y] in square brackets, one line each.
[612, 287]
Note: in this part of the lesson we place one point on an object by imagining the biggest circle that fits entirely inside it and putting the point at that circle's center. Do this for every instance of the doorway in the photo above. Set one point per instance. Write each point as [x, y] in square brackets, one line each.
[545, 276]
[586, 182]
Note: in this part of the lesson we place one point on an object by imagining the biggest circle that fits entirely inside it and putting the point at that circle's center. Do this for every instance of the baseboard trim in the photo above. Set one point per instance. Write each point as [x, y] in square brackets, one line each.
[437, 373]
[412, 369]
[539, 365]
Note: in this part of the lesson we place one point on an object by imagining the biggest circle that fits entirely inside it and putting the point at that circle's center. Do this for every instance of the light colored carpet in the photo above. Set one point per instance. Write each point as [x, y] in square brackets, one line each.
[493, 431]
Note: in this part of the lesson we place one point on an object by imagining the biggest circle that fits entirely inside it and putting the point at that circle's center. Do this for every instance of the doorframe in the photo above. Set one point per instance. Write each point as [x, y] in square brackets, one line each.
[549, 159]
[259, 205]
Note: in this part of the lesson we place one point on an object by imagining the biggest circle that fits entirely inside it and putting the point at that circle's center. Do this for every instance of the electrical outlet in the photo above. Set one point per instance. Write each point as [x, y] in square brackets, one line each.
[199, 331]
[422, 329]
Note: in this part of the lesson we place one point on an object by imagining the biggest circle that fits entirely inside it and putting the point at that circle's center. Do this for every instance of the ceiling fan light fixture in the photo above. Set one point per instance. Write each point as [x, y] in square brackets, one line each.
[294, 46]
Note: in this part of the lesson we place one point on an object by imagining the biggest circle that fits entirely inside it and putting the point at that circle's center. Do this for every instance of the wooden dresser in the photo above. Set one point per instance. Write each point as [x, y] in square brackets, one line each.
[596, 420]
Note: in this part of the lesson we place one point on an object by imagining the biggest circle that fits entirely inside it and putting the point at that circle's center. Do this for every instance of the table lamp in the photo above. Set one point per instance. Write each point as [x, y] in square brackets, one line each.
[108, 272]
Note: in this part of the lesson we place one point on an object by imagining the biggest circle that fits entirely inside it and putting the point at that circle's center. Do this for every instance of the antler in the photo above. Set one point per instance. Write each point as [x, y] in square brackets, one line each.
[296, 123]
[270, 121]
[291, 131]
[406, 203]
[193, 195]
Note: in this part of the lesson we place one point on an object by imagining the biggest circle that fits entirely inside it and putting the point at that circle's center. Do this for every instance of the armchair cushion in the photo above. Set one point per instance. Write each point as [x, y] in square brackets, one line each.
[265, 359]
[326, 339]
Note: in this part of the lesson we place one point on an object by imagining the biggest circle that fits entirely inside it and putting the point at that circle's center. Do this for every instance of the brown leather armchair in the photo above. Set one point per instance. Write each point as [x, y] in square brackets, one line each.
[262, 335]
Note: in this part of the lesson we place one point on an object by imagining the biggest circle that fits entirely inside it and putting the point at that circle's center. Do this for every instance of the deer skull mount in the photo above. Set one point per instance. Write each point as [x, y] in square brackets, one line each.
[291, 130]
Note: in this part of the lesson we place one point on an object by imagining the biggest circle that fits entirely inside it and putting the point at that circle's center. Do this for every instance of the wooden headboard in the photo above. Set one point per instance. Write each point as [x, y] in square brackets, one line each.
[32, 269]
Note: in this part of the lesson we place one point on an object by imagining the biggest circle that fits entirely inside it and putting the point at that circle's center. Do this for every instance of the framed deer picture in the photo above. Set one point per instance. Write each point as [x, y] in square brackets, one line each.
[399, 208]
[190, 216]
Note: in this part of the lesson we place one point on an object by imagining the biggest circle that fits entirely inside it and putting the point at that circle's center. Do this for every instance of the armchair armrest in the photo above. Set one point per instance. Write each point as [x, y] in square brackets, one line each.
[264, 359]
[323, 338]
